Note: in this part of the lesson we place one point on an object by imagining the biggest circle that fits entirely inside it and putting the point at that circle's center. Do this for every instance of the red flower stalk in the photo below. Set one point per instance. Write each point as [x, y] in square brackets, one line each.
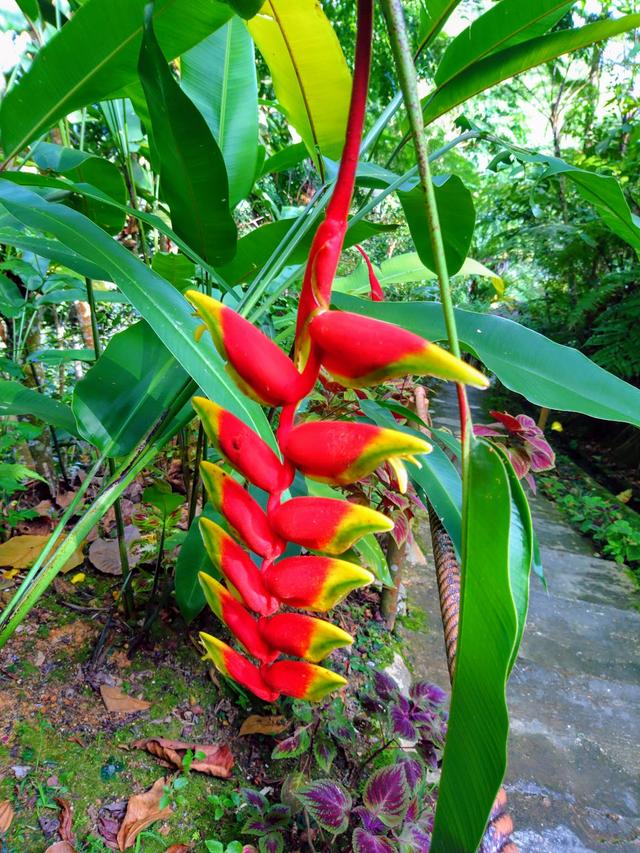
[358, 351]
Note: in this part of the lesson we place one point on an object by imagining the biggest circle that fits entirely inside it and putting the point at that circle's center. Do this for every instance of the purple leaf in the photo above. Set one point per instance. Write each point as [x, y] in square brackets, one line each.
[328, 803]
[367, 842]
[386, 687]
[324, 751]
[417, 837]
[255, 826]
[413, 771]
[369, 821]
[387, 794]
[401, 719]
[271, 843]
[254, 798]
[278, 815]
[427, 750]
[293, 746]
[427, 692]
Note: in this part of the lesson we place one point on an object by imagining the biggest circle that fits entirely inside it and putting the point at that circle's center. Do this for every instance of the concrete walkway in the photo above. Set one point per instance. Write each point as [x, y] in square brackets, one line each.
[574, 696]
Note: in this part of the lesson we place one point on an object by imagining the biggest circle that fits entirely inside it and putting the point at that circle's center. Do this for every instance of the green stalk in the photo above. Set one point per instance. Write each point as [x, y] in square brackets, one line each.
[122, 542]
[401, 48]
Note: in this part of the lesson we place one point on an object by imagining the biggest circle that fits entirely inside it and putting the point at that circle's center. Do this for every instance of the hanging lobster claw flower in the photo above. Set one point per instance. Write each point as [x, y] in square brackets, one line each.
[256, 363]
[360, 351]
[237, 567]
[314, 583]
[326, 524]
[301, 680]
[244, 514]
[243, 447]
[341, 452]
[238, 620]
[234, 665]
[303, 636]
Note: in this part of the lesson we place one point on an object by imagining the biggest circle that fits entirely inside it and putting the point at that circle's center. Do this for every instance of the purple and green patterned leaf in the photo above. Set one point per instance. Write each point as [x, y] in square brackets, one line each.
[386, 687]
[254, 799]
[413, 771]
[324, 751]
[369, 821]
[293, 746]
[424, 691]
[278, 815]
[416, 838]
[387, 794]
[328, 803]
[401, 719]
[366, 842]
[271, 843]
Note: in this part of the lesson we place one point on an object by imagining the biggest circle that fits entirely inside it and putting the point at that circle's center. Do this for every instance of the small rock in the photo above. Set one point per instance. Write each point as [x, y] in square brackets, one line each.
[397, 669]
[21, 771]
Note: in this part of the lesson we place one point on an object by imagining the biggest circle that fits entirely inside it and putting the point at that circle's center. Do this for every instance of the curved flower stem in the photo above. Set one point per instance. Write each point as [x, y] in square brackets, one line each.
[401, 48]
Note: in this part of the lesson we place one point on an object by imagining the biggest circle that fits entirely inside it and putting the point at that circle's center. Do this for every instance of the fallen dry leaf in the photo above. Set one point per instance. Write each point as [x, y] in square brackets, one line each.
[64, 498]
[41, 526]
[21, 552]
[179, 848]
[66, 833]
[218, 759]
[118, 702]
[142, 811]
[105, 553]
[6, 816]
[61, 847]
[257, 725]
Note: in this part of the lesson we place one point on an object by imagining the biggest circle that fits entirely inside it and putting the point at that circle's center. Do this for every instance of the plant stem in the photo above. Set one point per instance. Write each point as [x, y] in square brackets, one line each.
[117, 508]
[401, 48]
[193, 498]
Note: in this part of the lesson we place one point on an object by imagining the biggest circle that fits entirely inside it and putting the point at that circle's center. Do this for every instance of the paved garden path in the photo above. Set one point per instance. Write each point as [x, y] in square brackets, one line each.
[574, 697]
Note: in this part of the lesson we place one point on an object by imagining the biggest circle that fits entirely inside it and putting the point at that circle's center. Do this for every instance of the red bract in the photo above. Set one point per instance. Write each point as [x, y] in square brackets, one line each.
[357, 351]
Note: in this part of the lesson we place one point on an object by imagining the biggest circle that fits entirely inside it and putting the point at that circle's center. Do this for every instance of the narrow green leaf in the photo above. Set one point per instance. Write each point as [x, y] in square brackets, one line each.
[81, 167]
[219, 76]
[475, 756]
[53, 250]
[126, 391]
[521, 57]
[193, 177]
[193, 558]
[15, 399]
[177, 269]
[94, 56]
[544, 372]
[457, 219]
[61, 356]
[285, 159]
[159, 303]
[503, 25]
[437, 13]
[373, 558]
[309, 71]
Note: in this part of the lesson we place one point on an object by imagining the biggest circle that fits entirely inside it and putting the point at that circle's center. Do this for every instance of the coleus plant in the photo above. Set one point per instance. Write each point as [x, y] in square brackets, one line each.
[356, 352]
[523, 441]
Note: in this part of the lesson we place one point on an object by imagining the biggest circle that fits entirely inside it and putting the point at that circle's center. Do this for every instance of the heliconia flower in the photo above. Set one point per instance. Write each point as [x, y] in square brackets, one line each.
[256, 363]
[303, 636]
[244, 514]
[237, 619]
[301, 680]
[234, 665]
[326, 524]
[314, 583]
[243, 447]
[360, 351]
[238, 567]
[341, 452]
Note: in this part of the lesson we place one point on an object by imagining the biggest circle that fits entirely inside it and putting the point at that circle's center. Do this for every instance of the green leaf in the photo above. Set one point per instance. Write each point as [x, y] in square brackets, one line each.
[437, 13]
[51, 249]
[503, 25]
[15, 399]
[518, 58]
[159, 303]
[457, 220]
[255, 248]
[309, 71]
[475, 755]
[372, 557]
[81, 167]
[219, 76]
[94, 56]
[546, 373]
[285, 159]
[176, 269]
[193, 558]
[12, 302]
[126, 391]
[160, 496]
[29, 8]
[62, 356]
[245, 8]
[193, 178]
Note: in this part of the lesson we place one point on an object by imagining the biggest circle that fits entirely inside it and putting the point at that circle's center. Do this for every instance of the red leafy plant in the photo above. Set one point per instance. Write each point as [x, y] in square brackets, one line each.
[523, 441]
[356, 352]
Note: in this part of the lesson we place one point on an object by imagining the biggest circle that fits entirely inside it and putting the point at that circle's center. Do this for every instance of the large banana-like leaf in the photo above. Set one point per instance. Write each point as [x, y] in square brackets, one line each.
[52, 249]
[503, 25]
[15, 399]
[518, 58]
[126, 391]
[309, 71]
[546, 373]
[159, 303]
[475, 755]
[94, 56]
[437, 13]
[193, 178]
[219, 76]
